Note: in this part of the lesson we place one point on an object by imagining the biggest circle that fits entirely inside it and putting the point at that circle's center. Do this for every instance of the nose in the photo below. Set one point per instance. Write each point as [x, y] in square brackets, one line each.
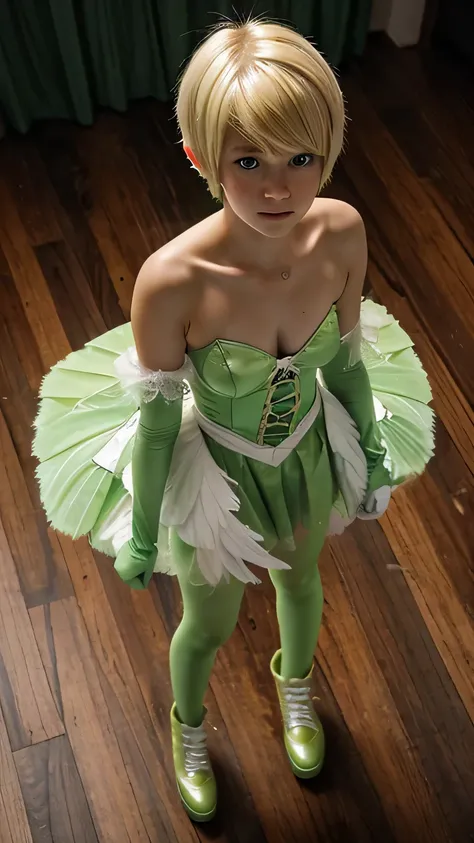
[276, 189]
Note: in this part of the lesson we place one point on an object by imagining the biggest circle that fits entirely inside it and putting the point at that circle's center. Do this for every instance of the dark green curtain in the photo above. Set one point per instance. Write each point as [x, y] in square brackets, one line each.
[63, 58]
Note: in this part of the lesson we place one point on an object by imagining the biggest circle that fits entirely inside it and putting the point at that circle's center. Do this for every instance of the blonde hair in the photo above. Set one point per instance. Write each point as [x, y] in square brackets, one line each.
[269, 83]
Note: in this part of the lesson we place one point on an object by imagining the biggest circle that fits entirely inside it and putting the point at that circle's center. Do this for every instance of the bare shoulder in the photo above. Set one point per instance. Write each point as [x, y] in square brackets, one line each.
[338, 217]
[161, 304]
[162, 275]
[166, 293]
[346, 232]
[172, 269]
[348, 246]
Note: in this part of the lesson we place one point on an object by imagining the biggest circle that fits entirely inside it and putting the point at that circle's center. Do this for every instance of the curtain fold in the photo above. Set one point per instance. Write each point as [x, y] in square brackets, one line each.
[65, 58]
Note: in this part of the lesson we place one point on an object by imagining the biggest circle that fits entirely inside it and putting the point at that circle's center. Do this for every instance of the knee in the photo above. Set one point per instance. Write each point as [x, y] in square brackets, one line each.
[297, 584]
[203, 636]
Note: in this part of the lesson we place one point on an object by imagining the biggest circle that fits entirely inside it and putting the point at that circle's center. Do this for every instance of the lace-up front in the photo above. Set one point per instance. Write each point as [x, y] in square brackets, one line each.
[196, 756]
[302, 729]
[194, 775]
[297, 708]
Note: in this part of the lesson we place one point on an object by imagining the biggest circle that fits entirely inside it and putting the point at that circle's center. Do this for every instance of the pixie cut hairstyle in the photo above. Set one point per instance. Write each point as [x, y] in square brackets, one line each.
[271, 85]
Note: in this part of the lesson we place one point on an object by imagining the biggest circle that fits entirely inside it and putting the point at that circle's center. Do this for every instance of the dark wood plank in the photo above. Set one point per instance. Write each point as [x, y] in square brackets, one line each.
[29, 709]
[138, 226]
[128, 741]
[30, 189]
[386, 283]
[356, 681]
[370, 710]
[31, 285]
[110, 248]
[55, 801]
[146, 623]
[434, 719]
[433, 81]
[94, 742]
[70, 180]
[17, 331]
[178, 193]
[447, 618]
[343, 799]
[21, 373]
[428, 126]
[246, 707]
[18, 401]
[430, 259]
[449, 519]
[42, 573]
[72, 296]
[14, 827]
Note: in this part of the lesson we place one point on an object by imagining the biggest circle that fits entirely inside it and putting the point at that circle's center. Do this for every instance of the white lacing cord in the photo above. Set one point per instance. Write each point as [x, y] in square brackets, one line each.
[299, 709]
[286, 365]
[195, 749]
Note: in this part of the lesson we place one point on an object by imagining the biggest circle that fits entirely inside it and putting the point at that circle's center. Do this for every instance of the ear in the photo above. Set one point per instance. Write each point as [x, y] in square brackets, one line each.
[191, 157]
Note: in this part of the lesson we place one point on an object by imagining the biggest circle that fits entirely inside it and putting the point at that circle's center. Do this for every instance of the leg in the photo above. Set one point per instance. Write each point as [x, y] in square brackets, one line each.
[209, 618]
[300, 604]
[299, 608]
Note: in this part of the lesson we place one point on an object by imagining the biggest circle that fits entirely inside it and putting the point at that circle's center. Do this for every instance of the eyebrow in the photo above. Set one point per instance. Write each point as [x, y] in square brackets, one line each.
[249, 149]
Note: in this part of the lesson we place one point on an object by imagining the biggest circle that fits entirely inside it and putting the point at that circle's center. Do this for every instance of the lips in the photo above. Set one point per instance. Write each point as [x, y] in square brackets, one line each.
[275, 214]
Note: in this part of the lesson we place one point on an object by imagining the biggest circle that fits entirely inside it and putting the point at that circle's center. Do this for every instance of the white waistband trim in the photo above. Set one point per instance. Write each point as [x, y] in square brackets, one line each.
[268, 454]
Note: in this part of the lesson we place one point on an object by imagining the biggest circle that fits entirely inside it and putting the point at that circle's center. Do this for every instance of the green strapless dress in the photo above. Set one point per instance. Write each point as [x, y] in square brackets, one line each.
[88, 416]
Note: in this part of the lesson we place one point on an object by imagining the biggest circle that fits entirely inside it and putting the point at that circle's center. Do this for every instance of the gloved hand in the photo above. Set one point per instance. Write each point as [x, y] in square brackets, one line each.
[133, 566]
[375, 504]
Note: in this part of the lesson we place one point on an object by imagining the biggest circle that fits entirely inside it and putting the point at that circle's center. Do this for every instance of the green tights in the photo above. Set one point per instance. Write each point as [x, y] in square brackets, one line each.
[210, 616]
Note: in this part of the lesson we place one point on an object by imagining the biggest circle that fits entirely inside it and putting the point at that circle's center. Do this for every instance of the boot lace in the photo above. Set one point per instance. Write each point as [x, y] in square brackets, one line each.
[298, 708]
[196, 756]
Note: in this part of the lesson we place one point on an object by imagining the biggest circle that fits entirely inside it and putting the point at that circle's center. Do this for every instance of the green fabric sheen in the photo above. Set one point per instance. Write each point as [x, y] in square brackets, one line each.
[230, 387]
[233, 378]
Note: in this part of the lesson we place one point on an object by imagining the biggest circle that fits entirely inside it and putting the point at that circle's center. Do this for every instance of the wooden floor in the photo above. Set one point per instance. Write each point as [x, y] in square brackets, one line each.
[85, 692]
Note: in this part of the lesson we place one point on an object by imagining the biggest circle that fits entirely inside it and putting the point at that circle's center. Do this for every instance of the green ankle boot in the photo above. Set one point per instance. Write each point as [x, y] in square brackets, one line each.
[303, 732]
[194, 775]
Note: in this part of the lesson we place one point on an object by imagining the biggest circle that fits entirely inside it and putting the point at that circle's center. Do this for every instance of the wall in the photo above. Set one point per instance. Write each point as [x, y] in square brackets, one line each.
[400, 19]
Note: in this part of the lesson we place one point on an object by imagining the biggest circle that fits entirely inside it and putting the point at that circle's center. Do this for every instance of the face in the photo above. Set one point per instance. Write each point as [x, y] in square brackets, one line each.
[271, 193]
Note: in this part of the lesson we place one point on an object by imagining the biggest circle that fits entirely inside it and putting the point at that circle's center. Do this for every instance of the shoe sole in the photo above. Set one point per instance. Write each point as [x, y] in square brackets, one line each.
[195, 816]
[306, 774]
[199, 818]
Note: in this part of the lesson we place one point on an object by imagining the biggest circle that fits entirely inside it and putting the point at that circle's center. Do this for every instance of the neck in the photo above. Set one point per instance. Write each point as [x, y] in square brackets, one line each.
[245, 244]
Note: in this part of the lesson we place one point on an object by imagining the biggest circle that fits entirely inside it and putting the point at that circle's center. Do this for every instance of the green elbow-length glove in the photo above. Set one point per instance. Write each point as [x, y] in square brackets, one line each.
[157, 431]
[347, 379]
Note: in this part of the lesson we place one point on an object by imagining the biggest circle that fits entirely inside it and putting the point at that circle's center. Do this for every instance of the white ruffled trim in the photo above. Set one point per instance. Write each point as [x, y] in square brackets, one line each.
[200, 499]
[349, 459]
[375, 504]
[199, 503]
[353, 341]
[145, 384]
[374, 317]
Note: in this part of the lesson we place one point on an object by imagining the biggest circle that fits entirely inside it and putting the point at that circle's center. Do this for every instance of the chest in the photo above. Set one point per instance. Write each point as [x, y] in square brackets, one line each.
[267, 311]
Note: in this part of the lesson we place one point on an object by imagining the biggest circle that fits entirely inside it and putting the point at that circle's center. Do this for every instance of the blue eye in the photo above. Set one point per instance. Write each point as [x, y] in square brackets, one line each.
[247, 163]
[302, 160]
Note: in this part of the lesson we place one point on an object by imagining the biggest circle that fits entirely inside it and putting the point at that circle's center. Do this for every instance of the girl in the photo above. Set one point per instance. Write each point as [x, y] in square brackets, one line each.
[238, 426]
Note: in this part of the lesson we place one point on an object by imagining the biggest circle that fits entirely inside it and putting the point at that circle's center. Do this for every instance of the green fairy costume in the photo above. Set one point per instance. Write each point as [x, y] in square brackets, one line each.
[213, 471]
[88, 417]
